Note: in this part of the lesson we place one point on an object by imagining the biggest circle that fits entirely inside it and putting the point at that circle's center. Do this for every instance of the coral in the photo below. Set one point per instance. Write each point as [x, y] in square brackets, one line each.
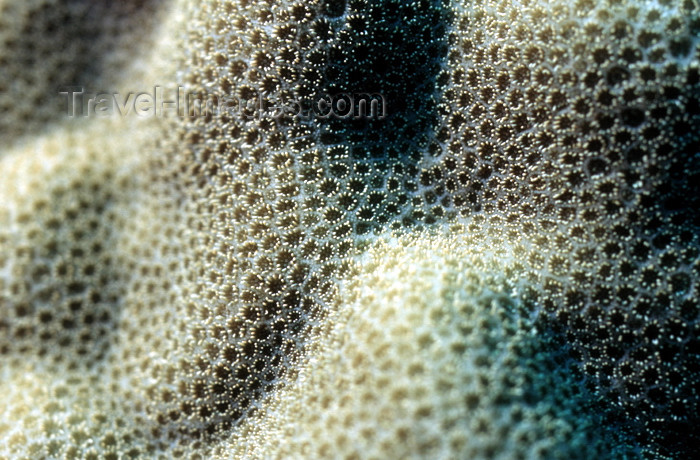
[46, 45]
[608, 131]
[432, 359]
[505, 266]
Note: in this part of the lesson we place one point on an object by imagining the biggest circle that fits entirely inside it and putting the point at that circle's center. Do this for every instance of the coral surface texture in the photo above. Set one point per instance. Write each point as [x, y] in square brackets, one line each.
[350, 229]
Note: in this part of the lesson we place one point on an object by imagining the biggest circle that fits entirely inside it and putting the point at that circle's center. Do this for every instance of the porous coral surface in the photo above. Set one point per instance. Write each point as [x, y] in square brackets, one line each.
[504, 266]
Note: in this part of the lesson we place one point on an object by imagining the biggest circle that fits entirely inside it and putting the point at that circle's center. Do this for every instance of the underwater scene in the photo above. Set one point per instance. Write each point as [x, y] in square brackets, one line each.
[350, 229]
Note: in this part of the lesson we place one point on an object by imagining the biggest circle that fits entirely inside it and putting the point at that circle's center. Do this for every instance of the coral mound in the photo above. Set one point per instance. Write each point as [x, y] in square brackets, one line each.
[503, 265]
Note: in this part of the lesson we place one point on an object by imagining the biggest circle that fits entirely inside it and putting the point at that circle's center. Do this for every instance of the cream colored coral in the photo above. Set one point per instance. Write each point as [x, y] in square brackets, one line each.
[429, 359]
[506, 267]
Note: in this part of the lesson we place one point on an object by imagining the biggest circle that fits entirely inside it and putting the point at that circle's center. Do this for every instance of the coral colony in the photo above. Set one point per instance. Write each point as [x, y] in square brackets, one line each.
[495, 257]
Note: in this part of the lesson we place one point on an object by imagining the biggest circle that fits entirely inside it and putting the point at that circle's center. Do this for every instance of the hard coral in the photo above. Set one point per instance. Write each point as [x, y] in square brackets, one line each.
[505, 266]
